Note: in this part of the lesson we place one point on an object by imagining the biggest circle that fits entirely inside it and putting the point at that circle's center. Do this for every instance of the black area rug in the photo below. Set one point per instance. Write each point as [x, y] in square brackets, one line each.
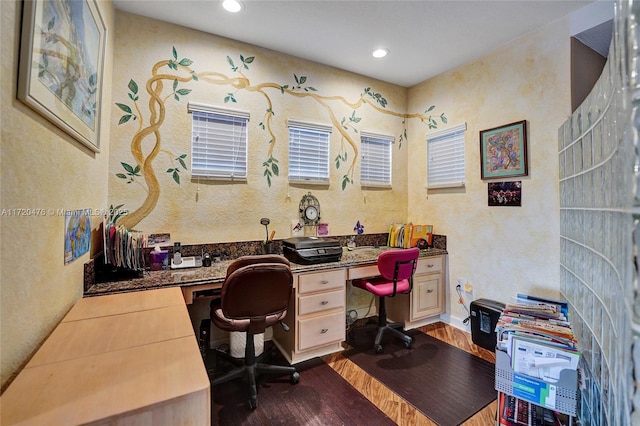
[445, 383]
[322, 397]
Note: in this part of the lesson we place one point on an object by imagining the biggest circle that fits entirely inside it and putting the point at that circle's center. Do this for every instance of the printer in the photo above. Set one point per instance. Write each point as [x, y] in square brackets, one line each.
[311, 250]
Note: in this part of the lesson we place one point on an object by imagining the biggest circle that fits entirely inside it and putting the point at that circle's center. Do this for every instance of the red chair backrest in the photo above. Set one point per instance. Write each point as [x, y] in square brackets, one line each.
[406, 259]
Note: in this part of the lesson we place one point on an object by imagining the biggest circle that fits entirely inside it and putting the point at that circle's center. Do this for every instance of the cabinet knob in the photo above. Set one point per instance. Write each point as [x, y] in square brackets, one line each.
[324, 282]
[324, 330]
[430, 290]
[324, 302]
[430, 265]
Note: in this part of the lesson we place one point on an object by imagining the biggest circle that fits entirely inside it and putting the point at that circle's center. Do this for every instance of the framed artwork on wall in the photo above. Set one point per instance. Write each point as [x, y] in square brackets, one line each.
[61, 65]
[505, 193]
[503, 151]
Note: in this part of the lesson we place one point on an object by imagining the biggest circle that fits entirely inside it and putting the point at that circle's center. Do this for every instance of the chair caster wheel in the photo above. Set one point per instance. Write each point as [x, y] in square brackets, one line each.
[295, 378]
[378, 349]
[407, 344]
[253, 404]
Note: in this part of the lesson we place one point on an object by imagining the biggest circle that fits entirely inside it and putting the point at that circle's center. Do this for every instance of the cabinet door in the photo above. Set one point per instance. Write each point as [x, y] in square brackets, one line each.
[426, 296]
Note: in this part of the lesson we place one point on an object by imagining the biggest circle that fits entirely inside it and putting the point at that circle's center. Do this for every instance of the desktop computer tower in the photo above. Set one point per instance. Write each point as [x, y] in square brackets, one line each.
[484, 317]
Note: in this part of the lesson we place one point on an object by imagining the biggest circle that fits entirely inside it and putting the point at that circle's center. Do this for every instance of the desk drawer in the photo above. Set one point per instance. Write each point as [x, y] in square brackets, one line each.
[429, 264]
[321, 281]
[363, 272]
[321, 330]
[320, 302]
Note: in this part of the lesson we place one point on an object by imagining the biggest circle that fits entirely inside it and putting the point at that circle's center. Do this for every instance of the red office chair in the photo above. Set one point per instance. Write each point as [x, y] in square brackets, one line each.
[255, 295]
[396, 277]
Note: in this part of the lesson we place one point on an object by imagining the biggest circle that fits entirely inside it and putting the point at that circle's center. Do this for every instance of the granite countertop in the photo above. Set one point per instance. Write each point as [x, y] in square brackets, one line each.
[217, 271]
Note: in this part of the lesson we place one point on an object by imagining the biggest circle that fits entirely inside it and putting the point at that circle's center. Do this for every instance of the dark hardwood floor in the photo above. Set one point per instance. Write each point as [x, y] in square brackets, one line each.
[395, 407]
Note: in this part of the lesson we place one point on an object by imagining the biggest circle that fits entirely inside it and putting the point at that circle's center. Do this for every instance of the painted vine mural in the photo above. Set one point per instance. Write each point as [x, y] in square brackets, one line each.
[167, 83]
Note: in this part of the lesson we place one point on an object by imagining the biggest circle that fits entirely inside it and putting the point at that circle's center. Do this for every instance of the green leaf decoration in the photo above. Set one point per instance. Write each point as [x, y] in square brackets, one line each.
[124, 119]
[249, 59]
[430, 108]
[176, 176]
[121, 175]
[128, 167]
[175, 84]
[275, 169]
[183, 91]
[185, 62]
[133, 86]
[230, 62]
[51, 24]
[124, 107]
[175, 53]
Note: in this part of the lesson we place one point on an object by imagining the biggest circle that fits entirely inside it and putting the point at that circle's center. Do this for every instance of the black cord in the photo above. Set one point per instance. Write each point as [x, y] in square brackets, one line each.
[461, 301]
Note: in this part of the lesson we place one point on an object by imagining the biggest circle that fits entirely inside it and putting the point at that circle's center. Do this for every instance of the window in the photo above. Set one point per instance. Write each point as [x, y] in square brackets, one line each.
[375, 168]
[308, 152]
[445, 157]
[218, 142]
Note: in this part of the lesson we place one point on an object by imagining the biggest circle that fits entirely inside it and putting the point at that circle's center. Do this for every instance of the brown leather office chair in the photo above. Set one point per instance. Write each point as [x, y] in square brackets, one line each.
[255, 295]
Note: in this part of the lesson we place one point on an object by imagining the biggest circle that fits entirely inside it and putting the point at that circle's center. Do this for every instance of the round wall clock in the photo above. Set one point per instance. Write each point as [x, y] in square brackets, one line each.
[309, 209]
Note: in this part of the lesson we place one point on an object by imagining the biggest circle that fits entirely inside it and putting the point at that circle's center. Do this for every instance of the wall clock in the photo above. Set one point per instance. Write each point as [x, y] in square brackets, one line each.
[309, 210]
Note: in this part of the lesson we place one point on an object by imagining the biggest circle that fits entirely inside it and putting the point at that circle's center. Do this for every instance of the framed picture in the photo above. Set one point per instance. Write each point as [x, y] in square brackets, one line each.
[503, 151]
[61, 65]
[505, 193]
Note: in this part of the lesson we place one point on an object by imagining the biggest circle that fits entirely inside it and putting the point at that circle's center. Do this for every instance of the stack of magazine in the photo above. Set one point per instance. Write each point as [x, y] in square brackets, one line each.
[536, 335]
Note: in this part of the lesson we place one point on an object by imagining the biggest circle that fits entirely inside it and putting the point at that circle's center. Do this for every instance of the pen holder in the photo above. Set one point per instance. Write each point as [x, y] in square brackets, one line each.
[267, 247]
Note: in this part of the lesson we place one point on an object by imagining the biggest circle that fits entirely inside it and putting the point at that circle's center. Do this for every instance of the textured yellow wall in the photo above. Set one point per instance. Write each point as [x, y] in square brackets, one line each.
[42, 167]
[500, 250]
[214, 211]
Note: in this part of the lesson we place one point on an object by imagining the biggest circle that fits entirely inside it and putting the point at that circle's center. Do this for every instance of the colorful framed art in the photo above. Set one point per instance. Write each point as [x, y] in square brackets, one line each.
[503, 151]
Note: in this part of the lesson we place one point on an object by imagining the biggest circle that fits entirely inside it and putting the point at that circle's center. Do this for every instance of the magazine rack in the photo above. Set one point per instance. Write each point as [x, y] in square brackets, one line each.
[561, 396]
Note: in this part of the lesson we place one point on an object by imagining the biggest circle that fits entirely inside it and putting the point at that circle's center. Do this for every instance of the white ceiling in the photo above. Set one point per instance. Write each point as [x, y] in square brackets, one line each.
[425, 37]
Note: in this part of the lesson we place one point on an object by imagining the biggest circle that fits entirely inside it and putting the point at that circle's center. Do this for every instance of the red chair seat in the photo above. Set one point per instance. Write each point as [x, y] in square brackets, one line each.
[381, 286]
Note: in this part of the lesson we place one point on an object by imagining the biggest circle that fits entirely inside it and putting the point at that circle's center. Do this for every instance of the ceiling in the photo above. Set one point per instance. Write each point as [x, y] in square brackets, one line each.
[424, 37]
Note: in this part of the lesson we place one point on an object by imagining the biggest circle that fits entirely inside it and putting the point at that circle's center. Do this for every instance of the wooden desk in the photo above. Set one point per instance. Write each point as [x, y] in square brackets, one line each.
[115, 362]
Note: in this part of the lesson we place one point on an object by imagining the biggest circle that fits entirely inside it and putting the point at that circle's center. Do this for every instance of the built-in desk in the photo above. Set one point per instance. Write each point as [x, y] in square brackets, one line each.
[317, 311]
[124, 359]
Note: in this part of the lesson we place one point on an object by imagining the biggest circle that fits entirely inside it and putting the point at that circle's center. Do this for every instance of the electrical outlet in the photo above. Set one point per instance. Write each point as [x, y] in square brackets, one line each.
[461, 282]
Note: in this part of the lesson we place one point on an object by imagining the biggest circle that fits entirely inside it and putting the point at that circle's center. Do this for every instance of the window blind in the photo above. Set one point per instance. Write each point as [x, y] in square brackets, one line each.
[308, 152]
[219, 143]
[445, 157]
[375, 169]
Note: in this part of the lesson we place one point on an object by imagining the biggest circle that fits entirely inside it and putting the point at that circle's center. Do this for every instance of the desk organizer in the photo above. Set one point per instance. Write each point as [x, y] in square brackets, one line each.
[561, 396]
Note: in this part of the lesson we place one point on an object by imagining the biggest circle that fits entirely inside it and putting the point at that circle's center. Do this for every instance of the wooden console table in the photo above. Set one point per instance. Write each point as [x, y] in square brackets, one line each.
[122, 359]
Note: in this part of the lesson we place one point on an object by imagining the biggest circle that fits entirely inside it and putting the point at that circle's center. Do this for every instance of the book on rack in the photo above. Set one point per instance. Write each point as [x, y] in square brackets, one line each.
[513, 411]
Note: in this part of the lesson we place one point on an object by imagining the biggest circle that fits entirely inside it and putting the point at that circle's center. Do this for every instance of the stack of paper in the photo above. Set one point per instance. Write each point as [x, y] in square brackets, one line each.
[538, 337]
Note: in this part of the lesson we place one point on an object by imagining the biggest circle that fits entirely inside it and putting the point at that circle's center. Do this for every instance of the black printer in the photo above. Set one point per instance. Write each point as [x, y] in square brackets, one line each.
[311, 250]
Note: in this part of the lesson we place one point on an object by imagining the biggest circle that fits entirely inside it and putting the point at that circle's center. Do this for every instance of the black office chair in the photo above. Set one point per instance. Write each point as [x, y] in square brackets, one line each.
[255, 295]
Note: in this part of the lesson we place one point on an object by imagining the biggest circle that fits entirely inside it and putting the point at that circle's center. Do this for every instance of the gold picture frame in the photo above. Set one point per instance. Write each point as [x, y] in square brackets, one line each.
[62, 65]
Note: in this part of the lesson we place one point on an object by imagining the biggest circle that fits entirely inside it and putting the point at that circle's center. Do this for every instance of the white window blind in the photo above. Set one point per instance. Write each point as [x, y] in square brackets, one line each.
[218, 142]
[445, 157]
[375, 167]
[308, 152]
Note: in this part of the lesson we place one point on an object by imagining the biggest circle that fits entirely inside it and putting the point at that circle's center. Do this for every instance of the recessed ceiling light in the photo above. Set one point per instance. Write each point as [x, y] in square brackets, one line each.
[232, 6]
[380, 53]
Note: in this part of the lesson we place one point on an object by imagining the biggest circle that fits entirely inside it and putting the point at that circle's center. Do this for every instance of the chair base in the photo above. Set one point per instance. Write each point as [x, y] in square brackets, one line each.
[249, 371]
[392, 328]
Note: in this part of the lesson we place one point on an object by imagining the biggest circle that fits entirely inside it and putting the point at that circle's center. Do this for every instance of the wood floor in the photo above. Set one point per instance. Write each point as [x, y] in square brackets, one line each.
[395, 407]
